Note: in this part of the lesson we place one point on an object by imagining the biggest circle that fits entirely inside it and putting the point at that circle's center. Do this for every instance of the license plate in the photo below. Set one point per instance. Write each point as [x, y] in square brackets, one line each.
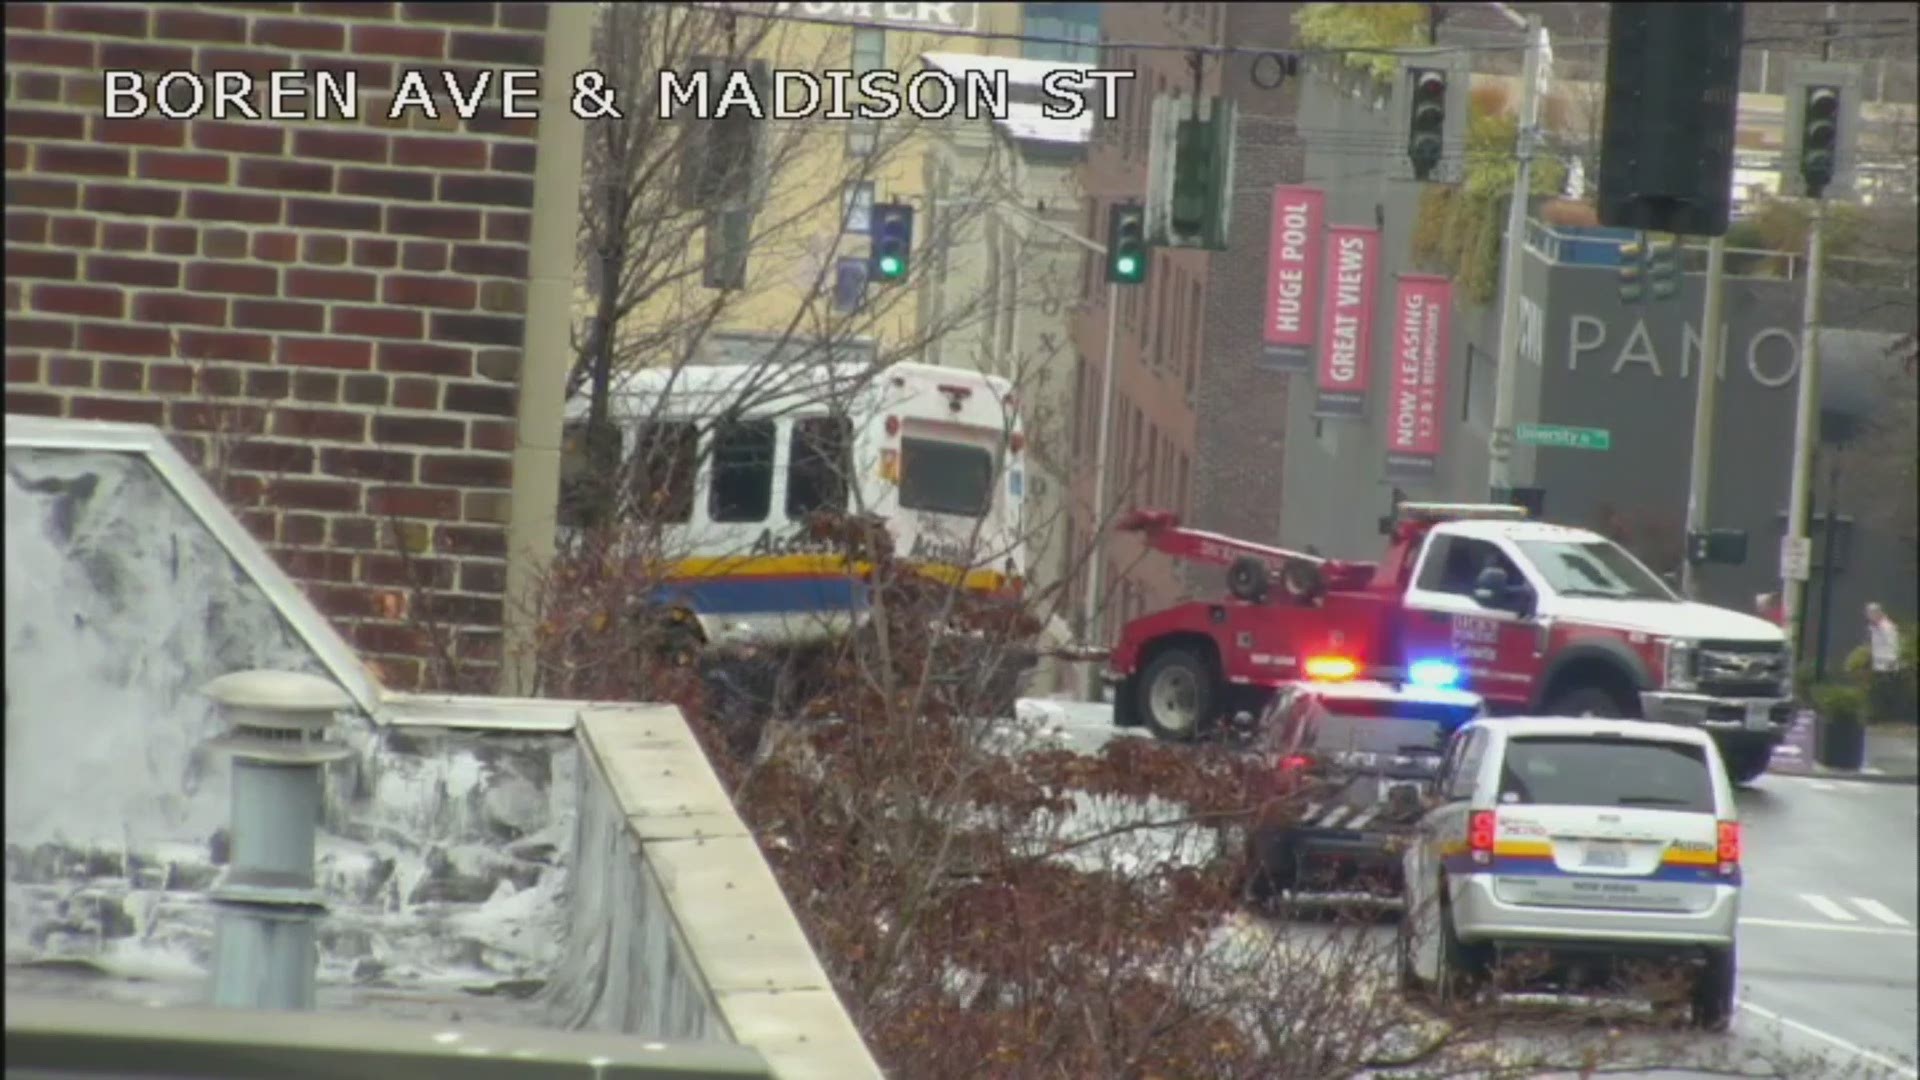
[1759, 717]
[1606, 856]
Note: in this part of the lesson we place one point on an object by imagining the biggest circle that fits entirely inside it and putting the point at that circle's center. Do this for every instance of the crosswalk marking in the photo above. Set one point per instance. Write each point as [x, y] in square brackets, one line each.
[1828, 908]
[1879, 911]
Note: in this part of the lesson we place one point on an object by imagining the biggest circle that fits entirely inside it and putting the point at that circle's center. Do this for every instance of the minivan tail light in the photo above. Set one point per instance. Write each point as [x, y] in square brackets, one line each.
[1729, 850]
[1480, 831]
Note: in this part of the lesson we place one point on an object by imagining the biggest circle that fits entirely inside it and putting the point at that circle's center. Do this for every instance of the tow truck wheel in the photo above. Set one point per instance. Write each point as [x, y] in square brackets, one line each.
[1176, 694]
[1745, 763]
[1588, 701]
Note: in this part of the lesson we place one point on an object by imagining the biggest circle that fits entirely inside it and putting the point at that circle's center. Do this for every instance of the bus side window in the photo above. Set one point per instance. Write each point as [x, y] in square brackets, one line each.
[818, 464]
[742, 486]
[665, 466]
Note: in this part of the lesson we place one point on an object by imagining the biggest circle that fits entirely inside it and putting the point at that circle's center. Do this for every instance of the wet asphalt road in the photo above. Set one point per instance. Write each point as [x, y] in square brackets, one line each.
[1829, 935]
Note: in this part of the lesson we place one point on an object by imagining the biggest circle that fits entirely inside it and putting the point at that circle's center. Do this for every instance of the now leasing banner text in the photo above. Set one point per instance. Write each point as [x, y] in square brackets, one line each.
[1416, 395]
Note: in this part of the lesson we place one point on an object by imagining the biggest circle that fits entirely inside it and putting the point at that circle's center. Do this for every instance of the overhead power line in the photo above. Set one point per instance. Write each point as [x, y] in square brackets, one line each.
[1410, 52]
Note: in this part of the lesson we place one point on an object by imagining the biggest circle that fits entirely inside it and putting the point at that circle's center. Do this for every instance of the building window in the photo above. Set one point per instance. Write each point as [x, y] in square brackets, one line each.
[869, 54]
[1079, 395]
[856, 207]
[1077, 26]
[1197, 327]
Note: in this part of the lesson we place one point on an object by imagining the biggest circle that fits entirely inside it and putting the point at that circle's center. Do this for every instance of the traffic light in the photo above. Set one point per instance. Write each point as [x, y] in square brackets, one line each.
[1633, 272]
[1663, 270]
[1195, 185]
[1648, 267]
[892, 243]
[1427, 123]
[1126, 244]
[1819, 138]
[1666, 138]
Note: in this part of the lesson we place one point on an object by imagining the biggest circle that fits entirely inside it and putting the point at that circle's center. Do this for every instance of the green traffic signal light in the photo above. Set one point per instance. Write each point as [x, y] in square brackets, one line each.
[892, 241]
[1126, 244]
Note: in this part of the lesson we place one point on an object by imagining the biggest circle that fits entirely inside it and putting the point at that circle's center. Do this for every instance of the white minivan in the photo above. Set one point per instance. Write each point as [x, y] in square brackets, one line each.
[1587, 842]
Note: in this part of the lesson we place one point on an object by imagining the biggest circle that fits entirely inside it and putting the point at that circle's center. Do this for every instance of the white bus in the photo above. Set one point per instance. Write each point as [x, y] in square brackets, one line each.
[729, 460]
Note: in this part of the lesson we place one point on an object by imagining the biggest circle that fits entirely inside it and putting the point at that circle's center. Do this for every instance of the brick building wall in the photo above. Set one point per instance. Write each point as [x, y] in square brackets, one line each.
[325, 316]
[1240, 444]
[1161, 334]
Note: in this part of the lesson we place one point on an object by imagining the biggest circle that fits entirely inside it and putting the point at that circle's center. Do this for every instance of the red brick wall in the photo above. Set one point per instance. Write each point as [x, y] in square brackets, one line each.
[325, 316]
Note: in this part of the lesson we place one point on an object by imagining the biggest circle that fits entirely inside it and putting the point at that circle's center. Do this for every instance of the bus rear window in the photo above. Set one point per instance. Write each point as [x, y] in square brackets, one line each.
[1560, 771]
[945, 477]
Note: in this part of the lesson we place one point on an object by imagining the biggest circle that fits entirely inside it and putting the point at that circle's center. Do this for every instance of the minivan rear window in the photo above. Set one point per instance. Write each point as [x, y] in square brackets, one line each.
[1554, 770]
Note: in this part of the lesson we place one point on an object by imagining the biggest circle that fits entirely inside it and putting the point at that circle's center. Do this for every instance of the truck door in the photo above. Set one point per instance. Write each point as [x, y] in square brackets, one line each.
[1495, 650]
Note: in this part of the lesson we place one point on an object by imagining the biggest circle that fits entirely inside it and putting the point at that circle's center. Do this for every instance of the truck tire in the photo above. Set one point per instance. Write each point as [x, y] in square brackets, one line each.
[1746, 761]
[1590, 701]
[1176, 694]
[1247, 579]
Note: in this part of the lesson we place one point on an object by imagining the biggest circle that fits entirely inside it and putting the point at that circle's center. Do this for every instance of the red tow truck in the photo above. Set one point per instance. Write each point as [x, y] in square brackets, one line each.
[1536, 618]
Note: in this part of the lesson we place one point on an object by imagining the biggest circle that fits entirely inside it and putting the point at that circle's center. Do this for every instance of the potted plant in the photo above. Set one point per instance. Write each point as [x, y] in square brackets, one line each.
[1841, 739]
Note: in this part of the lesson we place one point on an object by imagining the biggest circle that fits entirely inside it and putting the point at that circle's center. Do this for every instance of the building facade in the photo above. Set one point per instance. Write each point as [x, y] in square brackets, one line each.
[1159, 336]
[327, 317]
[1589, 360]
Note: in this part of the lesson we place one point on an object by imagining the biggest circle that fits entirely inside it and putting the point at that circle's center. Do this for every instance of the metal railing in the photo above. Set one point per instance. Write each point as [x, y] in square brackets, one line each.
[1597, 247]
[74, 1039]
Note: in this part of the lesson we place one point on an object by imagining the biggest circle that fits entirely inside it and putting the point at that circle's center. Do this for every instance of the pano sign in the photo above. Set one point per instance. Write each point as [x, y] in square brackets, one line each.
[905, 16]
[1422, 336]
[1346, 320]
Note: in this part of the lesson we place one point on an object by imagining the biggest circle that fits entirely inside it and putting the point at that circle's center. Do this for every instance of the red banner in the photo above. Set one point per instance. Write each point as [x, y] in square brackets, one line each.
[1422, 338]
[1346, 320]
[1293, 278]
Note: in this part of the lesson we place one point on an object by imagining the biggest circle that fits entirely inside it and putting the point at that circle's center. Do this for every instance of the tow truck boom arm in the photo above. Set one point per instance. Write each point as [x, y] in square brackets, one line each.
[1162, 531]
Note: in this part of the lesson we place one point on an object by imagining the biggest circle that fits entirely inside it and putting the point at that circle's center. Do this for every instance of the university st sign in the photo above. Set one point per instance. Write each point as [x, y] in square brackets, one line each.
[1770, 355]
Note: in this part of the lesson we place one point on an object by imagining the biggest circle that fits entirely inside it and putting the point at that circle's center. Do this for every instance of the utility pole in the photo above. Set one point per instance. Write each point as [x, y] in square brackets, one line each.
[1500, 447]
[1700, 483]
[1097, 552]
[1806, 415]
[1806, 433]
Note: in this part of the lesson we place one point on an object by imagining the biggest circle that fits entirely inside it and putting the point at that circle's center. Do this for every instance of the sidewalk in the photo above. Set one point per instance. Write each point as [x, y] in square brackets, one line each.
[1893, 751]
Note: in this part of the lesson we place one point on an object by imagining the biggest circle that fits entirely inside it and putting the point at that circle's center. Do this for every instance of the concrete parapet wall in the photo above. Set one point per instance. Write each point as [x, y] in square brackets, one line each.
[679, 929]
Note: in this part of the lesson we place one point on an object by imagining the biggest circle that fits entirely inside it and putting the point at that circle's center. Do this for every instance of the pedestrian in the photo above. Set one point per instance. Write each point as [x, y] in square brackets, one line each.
[1767, 606]
[1883, 648]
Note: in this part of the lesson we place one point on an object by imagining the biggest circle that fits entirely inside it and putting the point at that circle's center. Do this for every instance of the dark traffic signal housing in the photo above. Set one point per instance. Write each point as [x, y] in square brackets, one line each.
[1126, 244]
[892, 243]
[1648, 267]
[1426, 124]
[1819, 138]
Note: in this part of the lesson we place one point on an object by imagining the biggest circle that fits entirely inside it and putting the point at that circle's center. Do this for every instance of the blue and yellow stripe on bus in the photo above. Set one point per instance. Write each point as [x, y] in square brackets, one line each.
[744, 584]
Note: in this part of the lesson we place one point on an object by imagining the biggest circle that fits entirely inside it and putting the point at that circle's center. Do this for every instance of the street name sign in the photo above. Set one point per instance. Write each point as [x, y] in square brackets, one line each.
[1566, 438]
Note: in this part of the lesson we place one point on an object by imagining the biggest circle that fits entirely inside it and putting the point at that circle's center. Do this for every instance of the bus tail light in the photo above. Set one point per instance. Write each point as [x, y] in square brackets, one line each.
[1729, 848]
[890, 466]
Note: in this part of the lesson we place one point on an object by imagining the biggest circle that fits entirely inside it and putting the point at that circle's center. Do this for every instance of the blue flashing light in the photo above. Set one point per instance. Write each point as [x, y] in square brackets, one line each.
[1434, 673]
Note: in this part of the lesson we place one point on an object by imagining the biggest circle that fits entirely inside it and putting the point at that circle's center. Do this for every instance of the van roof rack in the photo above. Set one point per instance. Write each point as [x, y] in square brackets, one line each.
[1430, 512]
